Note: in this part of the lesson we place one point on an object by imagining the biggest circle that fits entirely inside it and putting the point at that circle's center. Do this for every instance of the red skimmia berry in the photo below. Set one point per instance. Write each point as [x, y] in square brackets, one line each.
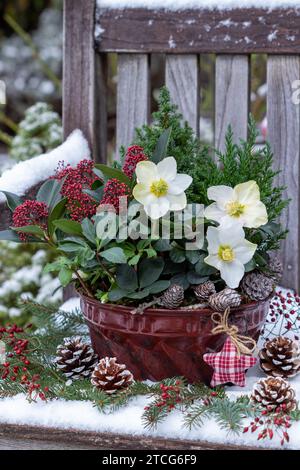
[113, 190]
[134, 155]
[30, 213]
[76, 180]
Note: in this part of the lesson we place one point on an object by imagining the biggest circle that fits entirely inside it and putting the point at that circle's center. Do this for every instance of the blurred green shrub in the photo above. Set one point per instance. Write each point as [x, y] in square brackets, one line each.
[39, 132]
[22, 277]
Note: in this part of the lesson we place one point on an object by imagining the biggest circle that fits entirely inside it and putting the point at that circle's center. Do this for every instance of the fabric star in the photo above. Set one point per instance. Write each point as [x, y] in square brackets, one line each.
[228, 365]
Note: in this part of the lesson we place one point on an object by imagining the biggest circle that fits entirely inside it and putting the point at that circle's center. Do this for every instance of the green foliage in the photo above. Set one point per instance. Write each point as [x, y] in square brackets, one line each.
[239, 163]
[108, 172]
[182, 143]
[39, 132]
[228, 414]
[161, 149]
[140, 283]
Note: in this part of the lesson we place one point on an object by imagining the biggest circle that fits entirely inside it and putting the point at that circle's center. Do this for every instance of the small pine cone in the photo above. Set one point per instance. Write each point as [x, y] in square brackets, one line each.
[204, 291]
[75, 359]
[257, 286]
[223, 299]
[110, 376]
[172, 297]
[276, 268]
[280, 357]
[273, 392]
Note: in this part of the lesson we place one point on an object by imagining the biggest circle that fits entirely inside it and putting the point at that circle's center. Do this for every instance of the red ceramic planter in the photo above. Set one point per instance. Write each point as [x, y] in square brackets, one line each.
[164, 343]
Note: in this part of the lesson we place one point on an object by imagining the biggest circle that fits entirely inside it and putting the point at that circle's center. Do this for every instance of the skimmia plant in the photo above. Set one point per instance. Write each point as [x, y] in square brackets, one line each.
[167, 214]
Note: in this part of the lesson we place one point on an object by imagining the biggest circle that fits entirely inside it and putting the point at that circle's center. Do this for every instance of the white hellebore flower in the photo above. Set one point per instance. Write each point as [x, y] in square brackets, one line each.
[228, 251]
[241, 203]
[160, 189]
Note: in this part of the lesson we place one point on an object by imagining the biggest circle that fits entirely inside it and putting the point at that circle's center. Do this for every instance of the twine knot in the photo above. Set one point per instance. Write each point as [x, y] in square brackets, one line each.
[243, 344]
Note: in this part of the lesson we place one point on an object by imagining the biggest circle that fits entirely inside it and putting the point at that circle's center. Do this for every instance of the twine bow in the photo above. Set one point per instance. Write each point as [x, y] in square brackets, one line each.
[243, 344]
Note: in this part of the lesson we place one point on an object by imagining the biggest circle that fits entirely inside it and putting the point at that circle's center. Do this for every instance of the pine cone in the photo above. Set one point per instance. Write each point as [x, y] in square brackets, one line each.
[75, 358]
[204, 291]
[257, 286]
[273, 392]
[110, 376]
[172, 297]
[223, 299]
[280, 357]
[276, 268]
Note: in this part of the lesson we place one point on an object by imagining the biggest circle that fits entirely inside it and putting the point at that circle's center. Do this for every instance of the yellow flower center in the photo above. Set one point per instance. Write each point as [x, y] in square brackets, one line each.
[226, 253]
[159, 188]
[235, 208]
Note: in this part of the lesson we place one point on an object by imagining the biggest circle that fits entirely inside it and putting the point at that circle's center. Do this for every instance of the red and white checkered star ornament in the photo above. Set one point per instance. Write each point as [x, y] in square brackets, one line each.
[228, 365]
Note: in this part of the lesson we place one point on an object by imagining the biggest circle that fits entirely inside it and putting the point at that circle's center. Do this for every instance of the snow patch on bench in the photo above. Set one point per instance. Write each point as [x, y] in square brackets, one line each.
[27, 174]
[195, 4]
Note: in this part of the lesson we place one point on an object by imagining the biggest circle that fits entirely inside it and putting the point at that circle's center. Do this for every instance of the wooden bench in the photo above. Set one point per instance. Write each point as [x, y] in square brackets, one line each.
[233, 35]
[134, 34]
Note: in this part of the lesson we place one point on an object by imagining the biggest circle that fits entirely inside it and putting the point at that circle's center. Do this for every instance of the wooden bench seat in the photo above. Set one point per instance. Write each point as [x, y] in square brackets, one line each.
[13, 437]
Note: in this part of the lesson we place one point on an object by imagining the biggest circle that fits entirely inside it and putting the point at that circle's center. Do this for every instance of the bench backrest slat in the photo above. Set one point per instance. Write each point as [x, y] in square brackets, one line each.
[133, 96]
[232, 97]
[284, 135]
[182, 80]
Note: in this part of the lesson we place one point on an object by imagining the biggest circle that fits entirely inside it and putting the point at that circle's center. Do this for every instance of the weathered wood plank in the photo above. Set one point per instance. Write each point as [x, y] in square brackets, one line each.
[182, 80]
[133, 96]
[240, 30]
[232, 97]
[80, 101]
[101, 117]
[284, 135]
[21, 435]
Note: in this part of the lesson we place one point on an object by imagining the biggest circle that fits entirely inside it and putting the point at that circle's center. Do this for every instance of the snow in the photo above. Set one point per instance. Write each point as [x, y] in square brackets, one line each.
[27, 174]
[50, 287]
[84, 416]
[30, 276]
[71, 304]
[272, 35]
[171, 42]
[194, 4]
[99, 31]
[227, 23]
[262, 90]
